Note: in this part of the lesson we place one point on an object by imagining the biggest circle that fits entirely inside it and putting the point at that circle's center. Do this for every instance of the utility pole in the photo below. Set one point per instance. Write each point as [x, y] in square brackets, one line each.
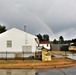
[25, 35]
[25, 41]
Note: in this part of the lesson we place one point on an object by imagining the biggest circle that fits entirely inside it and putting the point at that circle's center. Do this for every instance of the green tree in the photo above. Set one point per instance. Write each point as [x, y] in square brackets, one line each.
[61, 39]
[2, 29]
[73, 40]
[55, 41]
[40, 37]
[45, 37]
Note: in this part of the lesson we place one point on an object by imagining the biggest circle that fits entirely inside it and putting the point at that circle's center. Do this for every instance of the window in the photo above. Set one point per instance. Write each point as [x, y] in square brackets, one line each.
[38, 45]
[47, 45]
[9, 43]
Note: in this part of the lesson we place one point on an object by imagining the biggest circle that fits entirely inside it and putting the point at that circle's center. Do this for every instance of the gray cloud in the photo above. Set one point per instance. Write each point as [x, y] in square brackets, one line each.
[40, 16]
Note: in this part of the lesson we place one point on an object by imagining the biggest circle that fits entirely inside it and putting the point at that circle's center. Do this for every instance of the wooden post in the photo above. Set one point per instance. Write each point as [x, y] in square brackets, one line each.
[23, 55]
[6, 55]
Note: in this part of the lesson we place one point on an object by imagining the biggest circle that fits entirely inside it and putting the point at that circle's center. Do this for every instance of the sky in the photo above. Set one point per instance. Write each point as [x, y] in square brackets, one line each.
[53, 17]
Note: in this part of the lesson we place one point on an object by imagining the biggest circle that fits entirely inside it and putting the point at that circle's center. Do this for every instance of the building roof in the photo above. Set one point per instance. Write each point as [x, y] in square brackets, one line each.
[44, 42]
[14, 31]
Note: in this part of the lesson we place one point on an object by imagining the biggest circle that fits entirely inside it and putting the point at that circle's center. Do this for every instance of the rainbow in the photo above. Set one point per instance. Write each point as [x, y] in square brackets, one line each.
[46, 26]
[43, 23]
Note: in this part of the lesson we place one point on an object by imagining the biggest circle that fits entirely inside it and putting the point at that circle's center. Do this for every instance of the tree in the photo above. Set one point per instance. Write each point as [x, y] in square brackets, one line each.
[61, 39]
[55, 41]
[2, 29]
[40, 37]
[73, 40]
[45, 37]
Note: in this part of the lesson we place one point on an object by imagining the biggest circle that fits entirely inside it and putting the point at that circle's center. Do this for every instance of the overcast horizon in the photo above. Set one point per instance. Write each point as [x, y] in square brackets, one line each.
[53, 17]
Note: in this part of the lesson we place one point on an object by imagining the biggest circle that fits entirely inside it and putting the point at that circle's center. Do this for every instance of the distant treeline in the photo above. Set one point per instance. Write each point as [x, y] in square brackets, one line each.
[62, 41]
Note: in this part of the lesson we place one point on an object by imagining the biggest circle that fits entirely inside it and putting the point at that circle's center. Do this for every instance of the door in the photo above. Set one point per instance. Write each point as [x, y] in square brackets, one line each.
[27, 51]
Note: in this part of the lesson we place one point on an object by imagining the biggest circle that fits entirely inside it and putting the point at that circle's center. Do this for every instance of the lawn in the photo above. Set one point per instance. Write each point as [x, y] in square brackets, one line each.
[33, 63]
[54, 59]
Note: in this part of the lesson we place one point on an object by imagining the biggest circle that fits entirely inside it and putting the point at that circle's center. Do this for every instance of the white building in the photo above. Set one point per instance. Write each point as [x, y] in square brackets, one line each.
[15, 41]
[45, 44]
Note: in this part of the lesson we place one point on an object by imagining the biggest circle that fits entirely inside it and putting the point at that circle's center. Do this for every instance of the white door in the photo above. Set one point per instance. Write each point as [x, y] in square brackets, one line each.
[27, 50]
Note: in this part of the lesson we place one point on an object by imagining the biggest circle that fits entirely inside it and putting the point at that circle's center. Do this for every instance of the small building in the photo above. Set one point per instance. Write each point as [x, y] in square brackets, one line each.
[45, 44]
[60, 47]
[16, 42]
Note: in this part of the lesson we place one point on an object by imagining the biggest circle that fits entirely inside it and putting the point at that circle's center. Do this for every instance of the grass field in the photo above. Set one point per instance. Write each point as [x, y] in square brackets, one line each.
[36, 64]
[54, 59]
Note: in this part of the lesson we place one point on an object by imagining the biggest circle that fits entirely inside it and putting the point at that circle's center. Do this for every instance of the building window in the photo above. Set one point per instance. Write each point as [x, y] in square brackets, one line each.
[47, 45]
[9, 43]
[38, 45]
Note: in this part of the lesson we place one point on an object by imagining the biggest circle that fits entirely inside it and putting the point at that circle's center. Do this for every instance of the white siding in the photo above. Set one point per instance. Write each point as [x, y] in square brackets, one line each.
[47, 46]
[18, 39]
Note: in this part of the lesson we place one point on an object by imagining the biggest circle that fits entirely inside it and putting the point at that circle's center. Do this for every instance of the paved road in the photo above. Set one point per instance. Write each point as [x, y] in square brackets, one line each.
[64, 71]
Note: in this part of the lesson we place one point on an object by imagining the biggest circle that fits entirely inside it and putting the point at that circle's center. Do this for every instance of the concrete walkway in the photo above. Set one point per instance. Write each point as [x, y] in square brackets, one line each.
[71, 56]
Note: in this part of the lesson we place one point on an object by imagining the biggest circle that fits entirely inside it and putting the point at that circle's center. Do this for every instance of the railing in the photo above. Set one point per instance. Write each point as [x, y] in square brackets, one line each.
[16, 55]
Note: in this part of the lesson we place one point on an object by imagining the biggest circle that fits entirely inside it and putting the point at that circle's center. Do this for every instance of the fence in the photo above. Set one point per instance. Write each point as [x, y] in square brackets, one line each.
[16, 55]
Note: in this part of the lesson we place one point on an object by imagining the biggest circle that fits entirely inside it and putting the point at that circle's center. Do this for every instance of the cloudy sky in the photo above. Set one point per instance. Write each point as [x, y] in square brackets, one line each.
[53, 17]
